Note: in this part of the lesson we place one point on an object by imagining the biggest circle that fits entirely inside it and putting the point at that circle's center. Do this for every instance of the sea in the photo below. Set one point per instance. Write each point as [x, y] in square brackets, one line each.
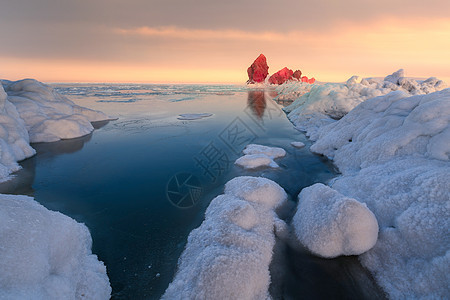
[142, 181]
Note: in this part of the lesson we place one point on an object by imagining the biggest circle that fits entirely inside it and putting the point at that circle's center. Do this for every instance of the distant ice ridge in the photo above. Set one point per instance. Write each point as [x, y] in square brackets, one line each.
[228, 256]
[46, 255]
[328, 102]
[393, 151]
[31, 111]
[194, 116]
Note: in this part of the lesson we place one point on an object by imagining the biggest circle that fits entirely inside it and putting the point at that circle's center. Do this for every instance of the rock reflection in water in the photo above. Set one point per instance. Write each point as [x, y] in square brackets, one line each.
[257, 102]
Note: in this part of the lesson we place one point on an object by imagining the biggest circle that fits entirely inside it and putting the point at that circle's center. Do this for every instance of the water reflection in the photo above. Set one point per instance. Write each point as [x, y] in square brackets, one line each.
[257, 102]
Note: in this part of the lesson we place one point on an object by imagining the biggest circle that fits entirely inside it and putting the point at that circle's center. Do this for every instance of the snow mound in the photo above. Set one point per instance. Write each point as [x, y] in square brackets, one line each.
[330, 224]
[14, 139]
[193, 116]
[292, 90]
[256, 189]
[228, 256]
[393, 152]
[255, 161]
[388, 127]
[297, 144]
[46, 255]
[48, 115]
[324, 104]
[272, 152]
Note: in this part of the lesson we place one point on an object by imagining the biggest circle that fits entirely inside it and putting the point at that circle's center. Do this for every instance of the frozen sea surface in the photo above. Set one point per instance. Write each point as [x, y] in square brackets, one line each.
[142, 182]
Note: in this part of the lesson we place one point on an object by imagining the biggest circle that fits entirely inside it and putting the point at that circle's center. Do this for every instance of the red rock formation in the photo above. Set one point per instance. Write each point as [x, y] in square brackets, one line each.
[311, 80]
[297, 75]
[258, 71]
[281, 76]
[304, 79]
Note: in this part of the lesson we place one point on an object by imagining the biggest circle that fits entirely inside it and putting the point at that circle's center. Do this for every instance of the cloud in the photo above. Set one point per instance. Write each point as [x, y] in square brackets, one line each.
[369, 48]
[173, 32]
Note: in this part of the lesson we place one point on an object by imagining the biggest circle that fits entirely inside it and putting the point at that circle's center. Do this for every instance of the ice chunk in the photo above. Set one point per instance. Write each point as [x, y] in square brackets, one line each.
[48, 115]
[272, 152]
[256, 189]
[254, 161]
[257, 156]
[298, 144]
[395, 77]
[46, 255]
[193, 116]
[228, 256]
[330, 224]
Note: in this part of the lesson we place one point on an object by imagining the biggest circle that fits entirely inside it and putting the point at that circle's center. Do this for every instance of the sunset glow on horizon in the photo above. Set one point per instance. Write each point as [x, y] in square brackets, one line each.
[77, 47]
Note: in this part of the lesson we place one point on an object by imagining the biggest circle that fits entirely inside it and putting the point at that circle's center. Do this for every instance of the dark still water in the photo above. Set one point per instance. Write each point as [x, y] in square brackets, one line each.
[142, 182]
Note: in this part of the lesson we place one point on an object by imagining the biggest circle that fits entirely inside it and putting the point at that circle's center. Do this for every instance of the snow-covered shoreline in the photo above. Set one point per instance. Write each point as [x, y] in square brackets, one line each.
[43, 254]
[33, 112]
[391, 141]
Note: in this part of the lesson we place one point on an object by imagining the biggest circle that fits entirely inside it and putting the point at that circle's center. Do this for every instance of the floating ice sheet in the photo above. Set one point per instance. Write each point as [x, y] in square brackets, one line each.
[194, 116]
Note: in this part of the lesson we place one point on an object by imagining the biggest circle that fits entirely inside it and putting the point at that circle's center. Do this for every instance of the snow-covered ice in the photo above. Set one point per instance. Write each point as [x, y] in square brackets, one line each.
[194, 116]
[272, 152]
[324, 104]
[46, 255]
[31, 111]
[291, 90]
[393, 151]
[48, 115]
[297, 144]
[255, 161]
[389, 127]
[14, 138]
[228, 256]
[330, 224]
[258, 156]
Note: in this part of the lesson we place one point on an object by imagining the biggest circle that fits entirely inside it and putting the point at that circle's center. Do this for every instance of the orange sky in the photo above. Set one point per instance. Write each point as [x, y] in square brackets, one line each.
[119, 52]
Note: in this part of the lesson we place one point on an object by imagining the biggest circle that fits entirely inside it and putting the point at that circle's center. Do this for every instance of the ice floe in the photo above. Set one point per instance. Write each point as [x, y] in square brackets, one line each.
[46, 255]
[255, 161]
[393, 151]
[297, 144]
[228, 256]
[259, 156]
[272, 152]
[194, 116]
[330, 224]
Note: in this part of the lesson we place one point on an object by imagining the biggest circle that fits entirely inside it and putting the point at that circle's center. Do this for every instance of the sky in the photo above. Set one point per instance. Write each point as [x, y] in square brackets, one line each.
[206, 41]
